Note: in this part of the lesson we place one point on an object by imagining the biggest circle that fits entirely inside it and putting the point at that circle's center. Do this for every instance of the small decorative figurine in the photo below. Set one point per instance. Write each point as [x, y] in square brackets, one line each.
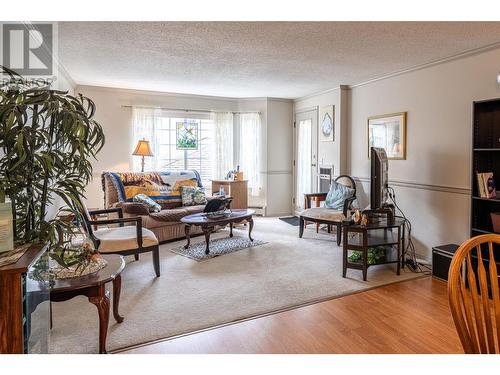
[357, 216]
[364, 220]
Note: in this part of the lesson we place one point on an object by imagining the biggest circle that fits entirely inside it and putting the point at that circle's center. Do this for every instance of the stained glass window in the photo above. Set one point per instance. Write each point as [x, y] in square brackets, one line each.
[187, 135]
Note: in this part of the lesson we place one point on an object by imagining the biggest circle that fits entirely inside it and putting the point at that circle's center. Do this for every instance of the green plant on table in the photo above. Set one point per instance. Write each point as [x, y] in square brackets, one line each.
[375, 255]
[78, 257]
[47, 141]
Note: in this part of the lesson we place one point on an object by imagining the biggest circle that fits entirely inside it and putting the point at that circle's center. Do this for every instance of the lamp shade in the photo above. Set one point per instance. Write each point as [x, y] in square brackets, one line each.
[143, 149]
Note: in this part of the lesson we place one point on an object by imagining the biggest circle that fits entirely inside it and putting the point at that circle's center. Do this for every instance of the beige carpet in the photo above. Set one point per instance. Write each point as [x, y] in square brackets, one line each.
[190, 295]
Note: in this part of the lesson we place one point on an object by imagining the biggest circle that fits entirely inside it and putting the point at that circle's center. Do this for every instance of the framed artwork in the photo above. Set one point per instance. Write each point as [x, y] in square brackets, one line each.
[388, 132]
[187, 135]
[326, 124]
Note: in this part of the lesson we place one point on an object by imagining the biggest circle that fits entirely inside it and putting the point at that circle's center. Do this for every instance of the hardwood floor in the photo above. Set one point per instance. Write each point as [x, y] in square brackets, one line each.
[408, 317]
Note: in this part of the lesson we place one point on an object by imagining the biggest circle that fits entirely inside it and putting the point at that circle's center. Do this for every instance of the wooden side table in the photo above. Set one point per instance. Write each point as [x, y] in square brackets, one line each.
[20, 295]
[381, 233]
[238, 190]
[93, 286]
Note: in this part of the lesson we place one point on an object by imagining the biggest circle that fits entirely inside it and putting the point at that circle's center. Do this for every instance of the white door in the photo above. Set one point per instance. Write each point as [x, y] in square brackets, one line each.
[305, 156]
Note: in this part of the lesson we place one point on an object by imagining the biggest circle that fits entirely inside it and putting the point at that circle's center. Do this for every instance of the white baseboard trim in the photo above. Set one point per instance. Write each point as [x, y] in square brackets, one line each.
[282, 214]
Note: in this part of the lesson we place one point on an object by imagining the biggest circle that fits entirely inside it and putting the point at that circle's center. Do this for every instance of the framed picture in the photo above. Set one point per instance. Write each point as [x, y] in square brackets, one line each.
[388, 132]
[187, 135]
[326, 124]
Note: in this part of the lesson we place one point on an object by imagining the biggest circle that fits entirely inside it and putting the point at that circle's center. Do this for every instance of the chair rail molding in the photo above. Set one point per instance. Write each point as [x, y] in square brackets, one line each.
[418, 185]
[277, 172]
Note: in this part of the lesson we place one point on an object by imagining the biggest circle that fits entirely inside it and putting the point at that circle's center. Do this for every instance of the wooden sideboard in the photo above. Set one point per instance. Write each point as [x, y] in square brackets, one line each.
[238, 190]
[24, 304]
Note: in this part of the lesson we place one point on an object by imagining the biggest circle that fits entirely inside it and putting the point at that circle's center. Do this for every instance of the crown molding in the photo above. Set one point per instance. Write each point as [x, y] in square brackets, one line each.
[160, 93]
[179, 95]
[458, 56]
[284, 100]
[308, 96]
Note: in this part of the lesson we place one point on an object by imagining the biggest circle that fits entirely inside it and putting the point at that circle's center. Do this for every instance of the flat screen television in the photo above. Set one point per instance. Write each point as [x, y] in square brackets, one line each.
[379, 177]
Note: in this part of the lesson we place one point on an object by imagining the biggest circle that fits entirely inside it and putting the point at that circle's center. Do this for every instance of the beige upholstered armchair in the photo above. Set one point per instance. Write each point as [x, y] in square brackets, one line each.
[325, 215]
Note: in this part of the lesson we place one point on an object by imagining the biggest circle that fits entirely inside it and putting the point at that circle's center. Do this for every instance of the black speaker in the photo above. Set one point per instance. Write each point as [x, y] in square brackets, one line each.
[441, 260]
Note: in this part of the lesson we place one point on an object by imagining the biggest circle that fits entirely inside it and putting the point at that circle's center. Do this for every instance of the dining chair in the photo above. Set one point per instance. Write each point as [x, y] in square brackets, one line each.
[473, 291]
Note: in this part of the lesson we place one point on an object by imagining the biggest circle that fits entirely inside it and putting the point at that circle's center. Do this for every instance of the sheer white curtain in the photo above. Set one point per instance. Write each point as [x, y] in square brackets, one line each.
[250, 150]
[223, 144]
[144, 120]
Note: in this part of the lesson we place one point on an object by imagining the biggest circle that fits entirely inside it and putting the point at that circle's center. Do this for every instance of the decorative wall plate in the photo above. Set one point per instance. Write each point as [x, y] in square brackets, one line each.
[326, 124]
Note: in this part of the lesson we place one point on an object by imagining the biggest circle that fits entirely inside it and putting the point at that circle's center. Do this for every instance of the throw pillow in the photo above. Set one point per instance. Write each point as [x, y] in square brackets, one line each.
[181, 183]
[337, 195]
[192, 196]
[152, 205]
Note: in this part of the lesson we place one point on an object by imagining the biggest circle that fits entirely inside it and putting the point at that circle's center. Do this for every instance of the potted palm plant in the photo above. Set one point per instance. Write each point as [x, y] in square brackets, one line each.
[47, 141]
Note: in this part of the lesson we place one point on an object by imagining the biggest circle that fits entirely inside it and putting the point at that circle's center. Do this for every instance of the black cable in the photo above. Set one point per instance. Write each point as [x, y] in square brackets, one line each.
[410, 248]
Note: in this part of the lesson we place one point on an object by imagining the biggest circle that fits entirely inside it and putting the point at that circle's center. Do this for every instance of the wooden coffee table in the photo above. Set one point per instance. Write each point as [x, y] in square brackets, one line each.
[208, 224]
[93, 286]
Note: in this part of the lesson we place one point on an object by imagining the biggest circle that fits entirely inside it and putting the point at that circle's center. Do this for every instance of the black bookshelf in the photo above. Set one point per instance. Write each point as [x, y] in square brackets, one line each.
[485, 158]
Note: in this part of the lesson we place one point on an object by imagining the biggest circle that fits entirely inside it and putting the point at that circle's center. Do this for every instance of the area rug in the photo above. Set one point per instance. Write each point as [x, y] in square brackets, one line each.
[292, 220]
[191, 296]
[217, 247]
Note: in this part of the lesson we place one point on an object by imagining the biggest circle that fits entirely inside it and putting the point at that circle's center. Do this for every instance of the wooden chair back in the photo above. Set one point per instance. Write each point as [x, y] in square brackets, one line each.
[346, 181]
[84, 215]
[473, 293]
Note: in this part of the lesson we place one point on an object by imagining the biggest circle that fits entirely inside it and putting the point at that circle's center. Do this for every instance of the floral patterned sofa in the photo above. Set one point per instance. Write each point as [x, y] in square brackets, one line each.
[164, 188]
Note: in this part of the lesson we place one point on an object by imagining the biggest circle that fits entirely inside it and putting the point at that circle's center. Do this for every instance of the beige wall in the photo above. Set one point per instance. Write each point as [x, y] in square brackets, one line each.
[432, 185]
[279, 155]
[331, 153]
[437, 173]
[116, 121]
[328, 152]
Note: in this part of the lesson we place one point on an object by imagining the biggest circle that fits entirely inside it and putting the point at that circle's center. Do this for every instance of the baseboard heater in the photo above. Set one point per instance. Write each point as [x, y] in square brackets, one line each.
[259, 210]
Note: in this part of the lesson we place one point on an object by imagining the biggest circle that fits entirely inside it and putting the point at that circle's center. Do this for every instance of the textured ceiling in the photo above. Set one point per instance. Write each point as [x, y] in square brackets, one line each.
[256, 59]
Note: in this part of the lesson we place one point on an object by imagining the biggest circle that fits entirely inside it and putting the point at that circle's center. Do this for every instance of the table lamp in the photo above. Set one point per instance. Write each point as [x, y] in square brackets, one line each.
[142, 149]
